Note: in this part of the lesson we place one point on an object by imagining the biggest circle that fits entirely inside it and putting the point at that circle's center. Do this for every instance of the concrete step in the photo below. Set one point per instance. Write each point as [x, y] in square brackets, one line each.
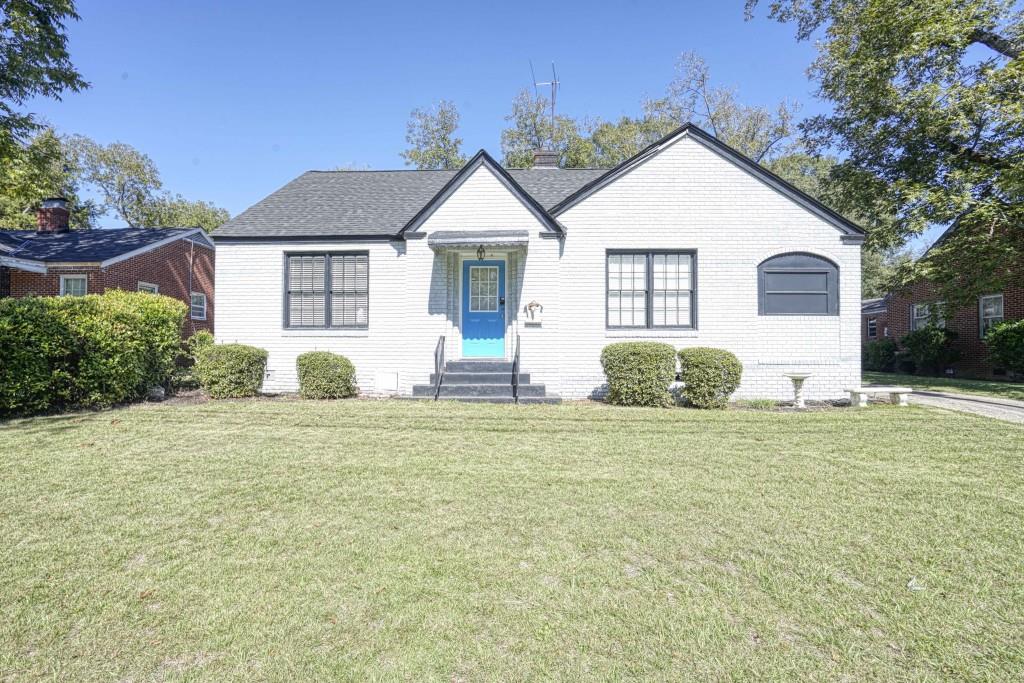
[478, 390]
[481, 378]
[478, 366]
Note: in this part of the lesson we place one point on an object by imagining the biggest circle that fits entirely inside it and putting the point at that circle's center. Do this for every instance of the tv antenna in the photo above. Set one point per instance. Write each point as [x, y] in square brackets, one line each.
[554, 83]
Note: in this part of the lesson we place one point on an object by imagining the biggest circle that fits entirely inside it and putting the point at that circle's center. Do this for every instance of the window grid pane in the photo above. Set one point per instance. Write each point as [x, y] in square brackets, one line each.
[483, 288]
[627, 290]
[350, 301]
[672, 275]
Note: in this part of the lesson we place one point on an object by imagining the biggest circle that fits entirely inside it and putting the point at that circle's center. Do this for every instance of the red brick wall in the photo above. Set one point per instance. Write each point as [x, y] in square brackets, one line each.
[965, 322]
[884, 329]
[167, 267]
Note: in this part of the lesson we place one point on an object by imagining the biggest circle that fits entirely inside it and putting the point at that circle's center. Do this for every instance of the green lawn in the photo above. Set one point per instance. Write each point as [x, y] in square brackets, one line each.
[961, 386]
[363, 540]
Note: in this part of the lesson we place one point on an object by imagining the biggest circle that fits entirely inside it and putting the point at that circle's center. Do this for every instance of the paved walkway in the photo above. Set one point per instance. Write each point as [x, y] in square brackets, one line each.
[1004, 409]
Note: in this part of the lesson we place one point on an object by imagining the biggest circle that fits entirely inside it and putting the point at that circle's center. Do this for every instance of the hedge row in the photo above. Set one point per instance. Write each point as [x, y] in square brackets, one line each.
[236, 371]
[640, 374]
[84, 352]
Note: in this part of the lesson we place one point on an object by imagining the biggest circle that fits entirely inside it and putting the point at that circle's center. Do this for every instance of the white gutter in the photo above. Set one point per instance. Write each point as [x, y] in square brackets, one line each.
[23, 264]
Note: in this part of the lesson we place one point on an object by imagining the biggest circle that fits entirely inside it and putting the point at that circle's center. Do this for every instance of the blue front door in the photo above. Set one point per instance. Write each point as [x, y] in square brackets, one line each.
[483, 309]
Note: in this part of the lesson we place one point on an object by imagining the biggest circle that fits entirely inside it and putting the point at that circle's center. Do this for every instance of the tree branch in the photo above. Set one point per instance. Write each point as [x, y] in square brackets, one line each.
[996, 42]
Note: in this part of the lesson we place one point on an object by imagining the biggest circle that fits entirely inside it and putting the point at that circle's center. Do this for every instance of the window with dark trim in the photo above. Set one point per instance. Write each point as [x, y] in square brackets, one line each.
[650, 289]
[327, 290]
[798, 284]
[872, 328]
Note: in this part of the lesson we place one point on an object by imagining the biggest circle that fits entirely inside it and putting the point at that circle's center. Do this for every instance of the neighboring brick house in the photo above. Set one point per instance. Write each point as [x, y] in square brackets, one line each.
[874, 323]
[911, 308]
[57, 261]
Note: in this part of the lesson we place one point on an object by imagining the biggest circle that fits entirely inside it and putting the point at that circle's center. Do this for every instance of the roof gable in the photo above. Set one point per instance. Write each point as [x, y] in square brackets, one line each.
[93, 246]
[762, 174]
[483, 160]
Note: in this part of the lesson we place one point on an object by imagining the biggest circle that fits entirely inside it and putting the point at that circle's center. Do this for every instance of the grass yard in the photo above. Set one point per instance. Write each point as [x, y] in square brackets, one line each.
[388, 540]
[961, 386]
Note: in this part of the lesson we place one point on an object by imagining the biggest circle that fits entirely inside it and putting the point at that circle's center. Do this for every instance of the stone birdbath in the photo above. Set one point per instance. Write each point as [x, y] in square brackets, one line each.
[797, 378]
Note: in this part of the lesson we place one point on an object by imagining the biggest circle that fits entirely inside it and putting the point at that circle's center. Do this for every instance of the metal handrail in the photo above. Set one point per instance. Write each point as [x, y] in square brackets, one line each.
[515, 373]
[438, 366]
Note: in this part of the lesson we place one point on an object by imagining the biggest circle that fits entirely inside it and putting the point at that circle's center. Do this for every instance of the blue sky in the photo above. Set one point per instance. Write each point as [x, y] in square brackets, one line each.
[233, 99]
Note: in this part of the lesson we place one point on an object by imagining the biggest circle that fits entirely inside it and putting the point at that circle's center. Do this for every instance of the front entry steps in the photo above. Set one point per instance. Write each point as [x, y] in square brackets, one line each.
[482, 381]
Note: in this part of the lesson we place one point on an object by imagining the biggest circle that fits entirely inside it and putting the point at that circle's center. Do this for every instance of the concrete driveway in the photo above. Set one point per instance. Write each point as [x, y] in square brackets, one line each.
[1004, 409]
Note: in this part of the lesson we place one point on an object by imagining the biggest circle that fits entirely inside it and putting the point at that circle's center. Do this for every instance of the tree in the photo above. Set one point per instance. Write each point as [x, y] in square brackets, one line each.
[927, 113]
[43, 167]
[758, 132]
[174, 211]
[430, 135]
[125, 178]
[531, 129]
[34, 62]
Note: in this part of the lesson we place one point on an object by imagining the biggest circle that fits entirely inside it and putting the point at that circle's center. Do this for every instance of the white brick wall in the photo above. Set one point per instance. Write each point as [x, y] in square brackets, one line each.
[685, 197]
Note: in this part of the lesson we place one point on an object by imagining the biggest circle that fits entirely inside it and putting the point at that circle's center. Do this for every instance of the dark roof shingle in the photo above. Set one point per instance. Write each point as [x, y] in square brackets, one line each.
[82, 245]
[374, 203]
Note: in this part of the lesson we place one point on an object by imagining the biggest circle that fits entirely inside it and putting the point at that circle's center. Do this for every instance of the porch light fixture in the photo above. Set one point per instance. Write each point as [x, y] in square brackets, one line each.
[480, 253]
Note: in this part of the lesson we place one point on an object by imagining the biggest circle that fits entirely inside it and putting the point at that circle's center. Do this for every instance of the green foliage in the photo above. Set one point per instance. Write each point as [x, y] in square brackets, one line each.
[928, 114]
[231, 370]
[931, 348]
[880, 355]
[34, 62]
[174, 211]
[126, 178]
[43, 167]
[1005, 344]
[90, 351]
[326, 375]
[639, 373]
[531, 128]
[431, 138]
[199, 342]
[709, 376]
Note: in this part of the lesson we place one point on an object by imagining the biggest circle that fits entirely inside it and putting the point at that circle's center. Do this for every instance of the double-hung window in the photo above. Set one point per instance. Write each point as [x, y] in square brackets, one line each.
[148, 287]
[74, 285]
[990, 312]
[329, 290]
[650, 289]
[872, 328]
[922, 315]
[197, 306]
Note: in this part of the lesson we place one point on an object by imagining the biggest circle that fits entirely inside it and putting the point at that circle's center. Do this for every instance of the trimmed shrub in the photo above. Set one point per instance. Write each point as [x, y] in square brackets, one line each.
[231, 370]
[198, 342]
[931, 349]
[709, 376]
[1005, 344]
[880, 355]
[326, 375]
[639, 373]
[88, 351]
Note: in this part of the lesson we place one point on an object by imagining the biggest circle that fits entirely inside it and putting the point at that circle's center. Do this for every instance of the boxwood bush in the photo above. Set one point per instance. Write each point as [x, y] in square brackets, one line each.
[709, 376]
[326, 375]
[84, 352]
[639, 373]
[931, 349]
[231, 370]
[880, 355]
[1005, 344]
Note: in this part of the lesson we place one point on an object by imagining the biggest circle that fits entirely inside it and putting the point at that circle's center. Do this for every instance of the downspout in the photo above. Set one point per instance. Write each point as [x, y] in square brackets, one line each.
[188, 294]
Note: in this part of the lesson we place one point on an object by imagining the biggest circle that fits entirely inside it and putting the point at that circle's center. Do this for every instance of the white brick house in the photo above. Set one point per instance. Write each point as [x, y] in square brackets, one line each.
[677, 244]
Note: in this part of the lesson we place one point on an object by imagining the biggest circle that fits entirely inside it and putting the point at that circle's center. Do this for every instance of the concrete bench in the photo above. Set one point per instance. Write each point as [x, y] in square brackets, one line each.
[859, 395]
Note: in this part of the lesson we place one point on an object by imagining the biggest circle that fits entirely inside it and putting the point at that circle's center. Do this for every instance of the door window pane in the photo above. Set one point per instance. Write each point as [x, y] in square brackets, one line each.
[483, 289]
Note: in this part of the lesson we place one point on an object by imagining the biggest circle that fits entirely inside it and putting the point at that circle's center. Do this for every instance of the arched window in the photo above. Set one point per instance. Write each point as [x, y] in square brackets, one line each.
[797, 284]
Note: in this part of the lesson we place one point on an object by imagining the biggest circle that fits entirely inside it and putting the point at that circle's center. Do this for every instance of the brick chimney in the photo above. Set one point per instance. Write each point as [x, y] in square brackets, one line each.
[545, 158]
[53, 216]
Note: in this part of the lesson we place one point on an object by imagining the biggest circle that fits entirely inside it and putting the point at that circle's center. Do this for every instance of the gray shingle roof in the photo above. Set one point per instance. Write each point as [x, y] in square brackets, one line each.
[374, 203]
[82, 245]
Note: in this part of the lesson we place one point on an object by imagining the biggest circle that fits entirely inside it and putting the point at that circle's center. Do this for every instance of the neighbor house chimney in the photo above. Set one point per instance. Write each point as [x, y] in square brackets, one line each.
[53, 216]
[545, 158]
